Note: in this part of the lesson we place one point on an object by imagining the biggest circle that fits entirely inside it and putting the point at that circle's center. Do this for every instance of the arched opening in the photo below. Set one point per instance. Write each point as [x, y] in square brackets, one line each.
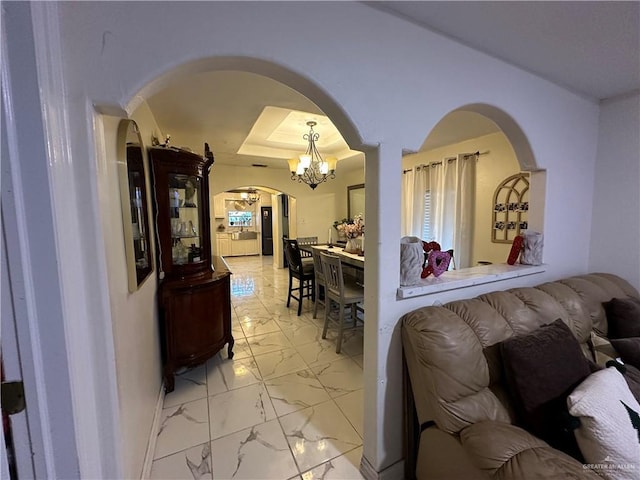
[263, 213]
[267, 332]
[450, 186]
[254, 124]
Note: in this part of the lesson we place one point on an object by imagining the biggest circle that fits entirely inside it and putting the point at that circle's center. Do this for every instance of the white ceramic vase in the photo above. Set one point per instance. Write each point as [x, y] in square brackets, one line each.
[531, 248]
[411, 260]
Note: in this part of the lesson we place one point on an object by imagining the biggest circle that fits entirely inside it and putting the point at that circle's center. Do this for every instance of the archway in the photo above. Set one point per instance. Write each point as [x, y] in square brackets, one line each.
[460, 165]
[292, 79]
[238, 179]
[271, 214]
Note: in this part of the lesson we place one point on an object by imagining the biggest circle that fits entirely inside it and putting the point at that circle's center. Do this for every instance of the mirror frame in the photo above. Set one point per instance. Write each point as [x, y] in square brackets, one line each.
[352, 190]
[132, 171]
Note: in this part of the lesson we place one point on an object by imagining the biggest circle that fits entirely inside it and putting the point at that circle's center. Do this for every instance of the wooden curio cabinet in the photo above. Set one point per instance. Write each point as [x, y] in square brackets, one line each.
[194, 288]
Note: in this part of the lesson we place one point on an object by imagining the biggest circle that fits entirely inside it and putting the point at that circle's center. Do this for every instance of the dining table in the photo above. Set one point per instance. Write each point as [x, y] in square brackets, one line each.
[351, 259]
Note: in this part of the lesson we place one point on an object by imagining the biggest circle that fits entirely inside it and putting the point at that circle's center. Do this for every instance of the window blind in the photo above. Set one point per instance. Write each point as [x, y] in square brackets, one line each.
[426, 222]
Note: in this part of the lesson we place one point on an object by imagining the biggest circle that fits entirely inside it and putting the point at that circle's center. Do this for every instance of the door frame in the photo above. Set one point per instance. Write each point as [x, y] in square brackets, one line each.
[17, 366]
[56, 246]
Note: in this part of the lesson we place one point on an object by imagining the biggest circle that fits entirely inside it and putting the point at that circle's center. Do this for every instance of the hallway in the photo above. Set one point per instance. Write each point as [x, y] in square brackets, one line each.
[286, 407]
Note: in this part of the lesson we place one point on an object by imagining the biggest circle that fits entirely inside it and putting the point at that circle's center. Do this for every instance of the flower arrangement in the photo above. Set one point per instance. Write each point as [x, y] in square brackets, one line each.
[350, 228]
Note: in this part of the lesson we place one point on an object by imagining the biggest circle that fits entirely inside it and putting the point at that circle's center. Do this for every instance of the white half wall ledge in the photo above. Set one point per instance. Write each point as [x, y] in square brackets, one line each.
[468, 277]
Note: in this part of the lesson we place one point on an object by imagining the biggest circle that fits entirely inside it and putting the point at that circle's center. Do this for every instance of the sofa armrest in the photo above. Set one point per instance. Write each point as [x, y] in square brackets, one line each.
[505, 451]
[442, 457]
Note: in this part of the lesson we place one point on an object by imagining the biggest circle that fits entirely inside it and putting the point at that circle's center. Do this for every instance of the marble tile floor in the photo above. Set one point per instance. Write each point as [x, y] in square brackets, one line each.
[285, 407]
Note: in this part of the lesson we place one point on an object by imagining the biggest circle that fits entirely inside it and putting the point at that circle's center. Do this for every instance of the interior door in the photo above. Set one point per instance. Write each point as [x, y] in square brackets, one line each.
[266, 214]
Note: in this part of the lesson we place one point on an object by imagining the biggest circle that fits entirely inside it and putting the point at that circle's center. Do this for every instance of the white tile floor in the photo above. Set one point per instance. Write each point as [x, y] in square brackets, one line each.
[286, 407]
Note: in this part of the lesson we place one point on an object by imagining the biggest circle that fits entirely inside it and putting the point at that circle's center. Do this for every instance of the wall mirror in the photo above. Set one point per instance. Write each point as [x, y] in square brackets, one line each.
[355, 200]
[133, 198]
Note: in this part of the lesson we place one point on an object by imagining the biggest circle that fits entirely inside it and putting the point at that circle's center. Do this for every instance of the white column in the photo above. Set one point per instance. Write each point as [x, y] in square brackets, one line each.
[382, 387]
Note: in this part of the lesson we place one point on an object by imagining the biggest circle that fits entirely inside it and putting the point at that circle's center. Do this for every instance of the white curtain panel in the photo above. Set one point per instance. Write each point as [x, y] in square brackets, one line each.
[452, 187]
[406, 219]
[464, 214]
[437, 188]
[415, 184]
[420, 186]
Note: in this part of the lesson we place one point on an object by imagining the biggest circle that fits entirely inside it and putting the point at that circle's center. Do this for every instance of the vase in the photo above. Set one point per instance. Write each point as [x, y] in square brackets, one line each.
[352, 245]
[531, 248]
[411, 261]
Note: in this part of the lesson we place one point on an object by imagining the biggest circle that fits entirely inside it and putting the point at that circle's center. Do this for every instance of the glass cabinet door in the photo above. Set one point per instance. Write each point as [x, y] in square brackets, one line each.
[185, 219]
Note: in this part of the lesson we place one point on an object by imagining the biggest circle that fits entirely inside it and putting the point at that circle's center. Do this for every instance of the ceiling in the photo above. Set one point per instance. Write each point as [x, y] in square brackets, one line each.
[249, 119]
[591, 48]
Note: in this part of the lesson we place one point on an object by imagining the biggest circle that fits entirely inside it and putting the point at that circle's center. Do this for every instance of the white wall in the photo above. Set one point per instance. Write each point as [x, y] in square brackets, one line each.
[126, 52]
[615, 231]
[134, 315]
[492, 168]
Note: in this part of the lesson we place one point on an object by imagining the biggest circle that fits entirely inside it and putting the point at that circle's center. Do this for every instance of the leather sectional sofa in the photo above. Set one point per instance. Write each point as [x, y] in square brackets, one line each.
[467, 426]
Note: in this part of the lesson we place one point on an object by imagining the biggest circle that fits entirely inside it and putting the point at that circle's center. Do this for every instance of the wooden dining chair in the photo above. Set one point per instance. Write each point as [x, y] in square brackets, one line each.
[346, 294]
[306, 241]
[301, 271]
[319, 282]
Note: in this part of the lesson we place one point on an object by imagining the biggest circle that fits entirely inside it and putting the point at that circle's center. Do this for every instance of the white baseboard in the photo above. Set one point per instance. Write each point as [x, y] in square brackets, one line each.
[392, 472]
[153, 435]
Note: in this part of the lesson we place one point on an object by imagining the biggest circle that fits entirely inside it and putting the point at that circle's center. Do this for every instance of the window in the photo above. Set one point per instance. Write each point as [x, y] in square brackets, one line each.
[426, 221]
[240, 219]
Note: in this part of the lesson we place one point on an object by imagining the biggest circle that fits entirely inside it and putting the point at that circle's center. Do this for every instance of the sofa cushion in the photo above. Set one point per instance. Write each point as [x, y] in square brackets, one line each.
[623, 317]
[506, 451]
[629, 350]
[609, 432]
[446, 345]
[541, 369]
[442, 457]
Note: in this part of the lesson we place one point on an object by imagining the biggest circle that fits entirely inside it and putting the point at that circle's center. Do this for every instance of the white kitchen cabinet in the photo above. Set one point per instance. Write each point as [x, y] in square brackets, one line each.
[244, 247]
[218, 206]
[237, 247]
[252, 247]
[224, 245]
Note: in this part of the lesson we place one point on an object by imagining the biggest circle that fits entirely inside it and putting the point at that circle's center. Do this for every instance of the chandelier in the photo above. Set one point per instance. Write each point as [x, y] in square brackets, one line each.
[251, 196]
[310, 168]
